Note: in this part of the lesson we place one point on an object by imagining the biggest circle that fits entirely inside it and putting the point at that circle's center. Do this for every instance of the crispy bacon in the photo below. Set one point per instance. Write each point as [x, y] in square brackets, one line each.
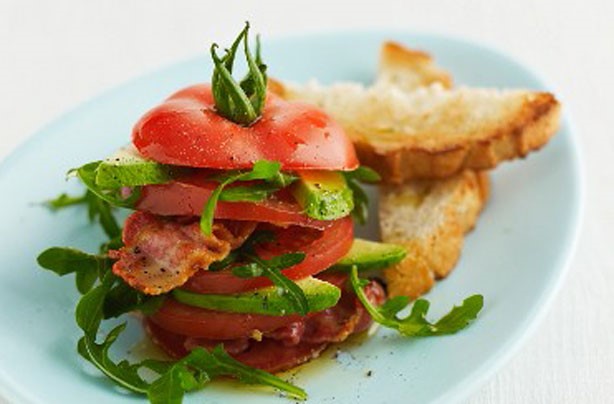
[291, 345]
[334, 324]
[160, 254]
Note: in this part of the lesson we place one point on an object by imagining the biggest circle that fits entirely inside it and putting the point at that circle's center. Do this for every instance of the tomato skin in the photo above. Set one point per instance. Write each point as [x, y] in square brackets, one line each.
[201, 323]
[186, 130]
[322, 249]
[187, 196]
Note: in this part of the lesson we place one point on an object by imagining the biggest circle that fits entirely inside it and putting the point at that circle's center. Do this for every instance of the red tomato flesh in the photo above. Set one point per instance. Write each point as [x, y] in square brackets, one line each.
[322, 249]
[186, 130]
[196, 322]
[187, 196]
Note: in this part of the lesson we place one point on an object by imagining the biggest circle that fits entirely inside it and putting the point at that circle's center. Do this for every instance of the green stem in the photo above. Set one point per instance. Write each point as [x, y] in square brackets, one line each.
[241, 102]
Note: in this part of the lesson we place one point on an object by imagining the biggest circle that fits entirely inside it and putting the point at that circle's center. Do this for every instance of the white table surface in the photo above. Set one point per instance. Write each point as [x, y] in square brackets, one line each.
[56, 54]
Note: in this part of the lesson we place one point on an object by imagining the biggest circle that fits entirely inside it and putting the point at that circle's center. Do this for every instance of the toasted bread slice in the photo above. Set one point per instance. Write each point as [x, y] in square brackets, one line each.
[408, 69]
[430, 218]
[408, 131]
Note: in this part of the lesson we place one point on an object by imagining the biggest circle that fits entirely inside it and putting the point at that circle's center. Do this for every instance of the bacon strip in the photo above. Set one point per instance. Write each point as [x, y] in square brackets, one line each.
[160, 254]
[288, 346]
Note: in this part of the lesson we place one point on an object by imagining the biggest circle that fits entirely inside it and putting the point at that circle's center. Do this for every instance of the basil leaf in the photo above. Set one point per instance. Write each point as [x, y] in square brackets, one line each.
[416, 324]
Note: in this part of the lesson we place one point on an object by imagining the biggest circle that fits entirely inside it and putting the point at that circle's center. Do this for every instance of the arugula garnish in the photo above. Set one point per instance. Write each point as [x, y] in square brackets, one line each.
[200, 366]
[123, 373]
[361, 201]
[416, 324]
[64, 260]
[263, 170]
[240, 102]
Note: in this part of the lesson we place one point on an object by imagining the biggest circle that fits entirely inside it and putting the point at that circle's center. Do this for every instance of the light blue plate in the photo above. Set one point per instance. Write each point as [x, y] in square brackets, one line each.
[516, 257]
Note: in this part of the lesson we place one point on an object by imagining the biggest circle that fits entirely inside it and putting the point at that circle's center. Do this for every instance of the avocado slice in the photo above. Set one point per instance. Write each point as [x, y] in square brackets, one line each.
[323, 195]
[320, 295]
[367, 254]
[127, 168]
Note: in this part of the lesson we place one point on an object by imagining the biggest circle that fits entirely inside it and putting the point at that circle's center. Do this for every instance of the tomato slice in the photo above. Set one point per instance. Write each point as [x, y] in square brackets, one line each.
[187, 196]
[201, 323]
[170, 326]
[322, 249]
[186, 130]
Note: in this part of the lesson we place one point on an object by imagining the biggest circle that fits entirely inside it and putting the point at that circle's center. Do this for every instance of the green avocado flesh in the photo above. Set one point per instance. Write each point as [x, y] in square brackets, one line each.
[367, 254]
[320, 295]
[323, 195]
[127, 168]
